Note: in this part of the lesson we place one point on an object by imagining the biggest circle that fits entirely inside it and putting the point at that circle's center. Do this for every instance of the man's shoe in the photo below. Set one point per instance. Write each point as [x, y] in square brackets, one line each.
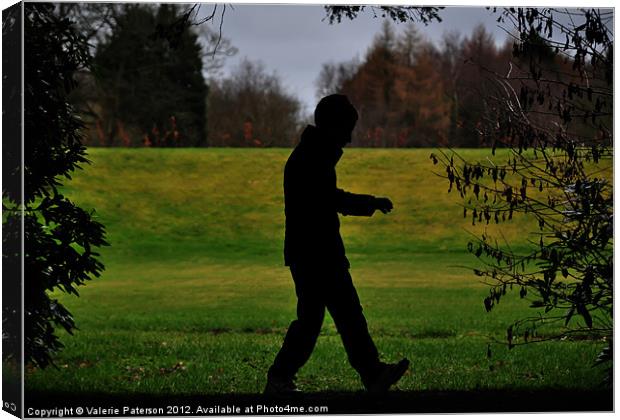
[387, 375]
[280, 386]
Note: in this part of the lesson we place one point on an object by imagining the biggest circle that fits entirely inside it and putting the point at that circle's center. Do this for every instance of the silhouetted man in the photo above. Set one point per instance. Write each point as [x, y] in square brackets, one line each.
[314, 251]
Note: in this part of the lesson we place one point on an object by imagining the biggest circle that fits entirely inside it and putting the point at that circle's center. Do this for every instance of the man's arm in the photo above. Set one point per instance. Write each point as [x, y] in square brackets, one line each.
[350, 204]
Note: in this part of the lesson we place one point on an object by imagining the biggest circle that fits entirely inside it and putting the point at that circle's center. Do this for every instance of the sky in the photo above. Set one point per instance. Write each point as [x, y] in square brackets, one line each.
[295, 40]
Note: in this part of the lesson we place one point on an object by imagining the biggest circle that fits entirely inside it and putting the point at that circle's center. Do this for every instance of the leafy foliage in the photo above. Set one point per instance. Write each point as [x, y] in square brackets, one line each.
[553, 110]
[11, 187]
[396, 13]
[59, 236]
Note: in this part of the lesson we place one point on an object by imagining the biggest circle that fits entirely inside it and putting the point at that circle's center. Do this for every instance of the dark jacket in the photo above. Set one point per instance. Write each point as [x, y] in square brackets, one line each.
[313, 201]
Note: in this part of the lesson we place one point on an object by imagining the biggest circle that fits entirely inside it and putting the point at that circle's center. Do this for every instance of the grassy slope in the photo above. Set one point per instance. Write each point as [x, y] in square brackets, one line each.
[195, 275]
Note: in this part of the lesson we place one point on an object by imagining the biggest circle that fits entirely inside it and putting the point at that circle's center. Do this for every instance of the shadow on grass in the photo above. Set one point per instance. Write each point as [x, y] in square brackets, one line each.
[543, 400]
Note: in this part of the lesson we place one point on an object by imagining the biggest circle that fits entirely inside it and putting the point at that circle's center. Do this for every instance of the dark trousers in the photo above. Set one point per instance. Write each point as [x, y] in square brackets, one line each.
[317, 289]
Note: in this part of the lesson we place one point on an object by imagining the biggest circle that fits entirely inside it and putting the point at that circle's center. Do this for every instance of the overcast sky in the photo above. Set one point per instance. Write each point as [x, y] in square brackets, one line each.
[294, 40]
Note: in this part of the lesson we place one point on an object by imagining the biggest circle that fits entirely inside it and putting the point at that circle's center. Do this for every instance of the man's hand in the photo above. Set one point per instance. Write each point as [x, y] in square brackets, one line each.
[383, 204]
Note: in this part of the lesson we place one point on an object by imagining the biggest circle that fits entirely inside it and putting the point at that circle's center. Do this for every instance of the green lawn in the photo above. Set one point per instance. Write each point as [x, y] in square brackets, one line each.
[195, 297]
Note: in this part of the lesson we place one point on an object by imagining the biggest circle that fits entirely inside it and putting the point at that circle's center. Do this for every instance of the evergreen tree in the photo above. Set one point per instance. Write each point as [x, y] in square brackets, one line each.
[149, 74]
[478, 53]
[408, 44]
[399, 92]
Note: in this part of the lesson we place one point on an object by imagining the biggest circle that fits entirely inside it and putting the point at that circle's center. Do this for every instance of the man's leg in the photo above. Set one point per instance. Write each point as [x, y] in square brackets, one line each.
[344, 305]
[303, 332]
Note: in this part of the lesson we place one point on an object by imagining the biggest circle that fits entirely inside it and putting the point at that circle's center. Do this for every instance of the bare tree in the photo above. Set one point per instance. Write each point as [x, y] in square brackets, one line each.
[251, 108]
[333, 76]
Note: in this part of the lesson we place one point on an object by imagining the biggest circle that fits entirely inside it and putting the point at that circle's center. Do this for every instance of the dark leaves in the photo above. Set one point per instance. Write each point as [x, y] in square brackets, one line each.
[583, 311]
[402, 14]
[59, 236]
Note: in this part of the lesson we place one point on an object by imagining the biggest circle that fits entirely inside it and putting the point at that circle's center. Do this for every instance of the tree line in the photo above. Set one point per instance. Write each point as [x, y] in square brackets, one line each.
[157, 82]
[411, 93]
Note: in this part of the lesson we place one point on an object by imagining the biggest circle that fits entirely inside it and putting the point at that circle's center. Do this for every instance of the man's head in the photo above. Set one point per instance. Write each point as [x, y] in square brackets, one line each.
[335, 115]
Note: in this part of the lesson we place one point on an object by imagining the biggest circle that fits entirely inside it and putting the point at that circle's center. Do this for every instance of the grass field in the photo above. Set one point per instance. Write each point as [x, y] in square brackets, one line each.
[195, 298]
